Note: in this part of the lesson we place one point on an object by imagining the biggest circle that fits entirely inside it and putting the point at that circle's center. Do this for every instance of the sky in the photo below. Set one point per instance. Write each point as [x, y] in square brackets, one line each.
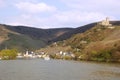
[57, 13]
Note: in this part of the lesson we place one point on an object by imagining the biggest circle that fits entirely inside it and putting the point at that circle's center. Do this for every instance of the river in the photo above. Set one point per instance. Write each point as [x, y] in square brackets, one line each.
[37, 69]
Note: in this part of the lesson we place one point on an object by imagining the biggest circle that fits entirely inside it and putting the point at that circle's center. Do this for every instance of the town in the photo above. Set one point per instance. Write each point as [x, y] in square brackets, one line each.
[45, 56]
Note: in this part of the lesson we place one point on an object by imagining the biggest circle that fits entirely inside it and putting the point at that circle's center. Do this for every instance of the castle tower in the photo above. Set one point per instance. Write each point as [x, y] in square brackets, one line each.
[105, 22]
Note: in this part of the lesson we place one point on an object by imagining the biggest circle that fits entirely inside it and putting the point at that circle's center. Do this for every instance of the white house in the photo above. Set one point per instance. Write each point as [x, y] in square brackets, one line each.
[28, 54]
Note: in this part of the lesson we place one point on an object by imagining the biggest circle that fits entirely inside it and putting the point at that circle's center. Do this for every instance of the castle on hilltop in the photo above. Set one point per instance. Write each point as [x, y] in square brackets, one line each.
[105, 22]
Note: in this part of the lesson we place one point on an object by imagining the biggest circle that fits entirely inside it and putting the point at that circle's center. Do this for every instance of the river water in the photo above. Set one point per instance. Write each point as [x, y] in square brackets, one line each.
[37, 69]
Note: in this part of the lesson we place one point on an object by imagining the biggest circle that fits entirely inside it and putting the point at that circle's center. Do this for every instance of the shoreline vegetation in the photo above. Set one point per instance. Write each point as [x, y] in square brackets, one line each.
[8, 54]
[12, 54]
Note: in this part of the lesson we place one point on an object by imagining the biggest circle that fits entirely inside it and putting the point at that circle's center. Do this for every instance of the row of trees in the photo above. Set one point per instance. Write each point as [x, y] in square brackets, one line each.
[8, 54]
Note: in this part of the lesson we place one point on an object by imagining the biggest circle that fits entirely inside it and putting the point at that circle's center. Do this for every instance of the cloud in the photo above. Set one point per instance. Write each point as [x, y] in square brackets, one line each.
[35, 7]
[24, 19]
[92, 2]
[2, 3]
[60, 19]
[93, 5]
[72, 13]
[76, 18]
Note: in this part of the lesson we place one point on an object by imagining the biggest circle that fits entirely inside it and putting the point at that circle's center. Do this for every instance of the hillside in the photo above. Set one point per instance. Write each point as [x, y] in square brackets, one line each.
[37, 33]
[23, 37]
[11, 39]
[99, 43]
[80, 29]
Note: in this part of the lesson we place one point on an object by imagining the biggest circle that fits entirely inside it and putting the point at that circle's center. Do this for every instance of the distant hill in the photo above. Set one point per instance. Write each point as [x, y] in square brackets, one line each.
[80, 29]
[37, 33]
[23, 37]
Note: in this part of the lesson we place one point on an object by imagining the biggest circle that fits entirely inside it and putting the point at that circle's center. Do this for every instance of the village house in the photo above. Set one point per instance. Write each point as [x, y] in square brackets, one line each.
[28, 54]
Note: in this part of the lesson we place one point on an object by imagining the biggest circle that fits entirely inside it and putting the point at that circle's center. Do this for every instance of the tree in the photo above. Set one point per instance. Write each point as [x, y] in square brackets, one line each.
[8, 54]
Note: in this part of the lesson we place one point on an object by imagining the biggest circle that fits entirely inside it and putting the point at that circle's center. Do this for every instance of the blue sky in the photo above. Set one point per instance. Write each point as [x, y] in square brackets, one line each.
[57, 13]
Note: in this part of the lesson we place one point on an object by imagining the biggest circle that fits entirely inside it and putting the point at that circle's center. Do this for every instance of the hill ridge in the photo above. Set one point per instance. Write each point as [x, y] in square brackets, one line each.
[31, 36]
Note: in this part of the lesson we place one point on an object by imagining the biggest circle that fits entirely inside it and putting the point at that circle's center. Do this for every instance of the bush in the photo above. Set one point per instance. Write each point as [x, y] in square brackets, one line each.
[67, 57]
[104, 55]
[52, 56]
[8, 54]
[58, 57]
[116, 53]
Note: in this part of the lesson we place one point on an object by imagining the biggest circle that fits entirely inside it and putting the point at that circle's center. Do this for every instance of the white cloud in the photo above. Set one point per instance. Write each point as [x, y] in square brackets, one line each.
[35, 7]
[77, 18]
[25, 19]
[2, 3]
[93, 5]
[96, 3]
[16, 23]
[60, 19]
[76, 13]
